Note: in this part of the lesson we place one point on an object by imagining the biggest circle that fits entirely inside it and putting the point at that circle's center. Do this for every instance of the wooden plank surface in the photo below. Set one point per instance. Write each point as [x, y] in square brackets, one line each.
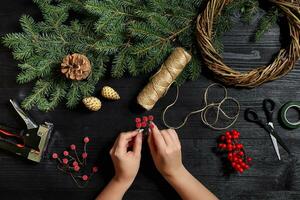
[267, 179]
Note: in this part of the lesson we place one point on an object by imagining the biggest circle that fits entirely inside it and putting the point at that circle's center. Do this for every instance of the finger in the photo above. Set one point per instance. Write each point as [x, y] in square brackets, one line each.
[111, 151]
[126, 137]
[151, 143]
[113, 148]
[167, 137]
[158, 139]
[174, 136]
[123, 141]
[137, 146]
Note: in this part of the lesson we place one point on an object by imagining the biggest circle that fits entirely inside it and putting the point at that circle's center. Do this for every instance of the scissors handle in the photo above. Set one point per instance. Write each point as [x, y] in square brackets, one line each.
[251, 116]
[269, 106]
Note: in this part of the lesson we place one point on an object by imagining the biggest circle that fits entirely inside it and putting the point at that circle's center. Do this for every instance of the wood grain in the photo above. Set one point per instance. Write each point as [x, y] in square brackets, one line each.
[267, 179]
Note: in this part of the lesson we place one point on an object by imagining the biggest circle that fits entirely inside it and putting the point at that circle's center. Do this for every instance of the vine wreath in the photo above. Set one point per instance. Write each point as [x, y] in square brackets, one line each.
[283, 63]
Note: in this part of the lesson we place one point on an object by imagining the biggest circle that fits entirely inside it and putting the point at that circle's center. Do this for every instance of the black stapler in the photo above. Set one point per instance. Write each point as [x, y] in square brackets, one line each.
[29, 143]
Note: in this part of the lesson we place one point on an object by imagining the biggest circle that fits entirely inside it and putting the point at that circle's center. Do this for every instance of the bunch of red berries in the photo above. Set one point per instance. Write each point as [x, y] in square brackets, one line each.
[229, 142]
[144, 123]
[74, 165]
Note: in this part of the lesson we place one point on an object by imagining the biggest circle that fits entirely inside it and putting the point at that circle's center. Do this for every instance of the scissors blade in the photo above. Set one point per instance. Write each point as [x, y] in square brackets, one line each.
[278, 138]
[29, 123]
[274, 141]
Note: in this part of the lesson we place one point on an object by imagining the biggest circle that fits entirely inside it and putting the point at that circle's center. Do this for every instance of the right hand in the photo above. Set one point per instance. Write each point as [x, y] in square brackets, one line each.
[126, 156]
[165, 149]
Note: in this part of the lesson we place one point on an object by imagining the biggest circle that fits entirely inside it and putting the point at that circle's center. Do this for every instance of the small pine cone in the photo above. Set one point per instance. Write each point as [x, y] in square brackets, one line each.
[92, 103]
[109, 93]
[76, 67]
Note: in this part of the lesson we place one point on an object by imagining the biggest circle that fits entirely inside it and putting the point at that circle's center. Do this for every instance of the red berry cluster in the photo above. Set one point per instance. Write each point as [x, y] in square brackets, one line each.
[72, 164]
[229, 142]
[144, 122]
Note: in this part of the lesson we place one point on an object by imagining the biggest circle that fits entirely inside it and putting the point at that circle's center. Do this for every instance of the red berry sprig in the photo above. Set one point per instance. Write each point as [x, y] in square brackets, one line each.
[144, 123]
[229, 143]
[70, 163]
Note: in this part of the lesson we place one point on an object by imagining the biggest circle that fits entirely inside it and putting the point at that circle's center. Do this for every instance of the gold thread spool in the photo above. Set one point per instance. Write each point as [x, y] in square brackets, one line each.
[161, 81]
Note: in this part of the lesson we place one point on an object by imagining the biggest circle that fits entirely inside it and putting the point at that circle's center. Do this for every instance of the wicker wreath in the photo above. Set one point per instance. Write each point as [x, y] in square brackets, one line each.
[284, 62]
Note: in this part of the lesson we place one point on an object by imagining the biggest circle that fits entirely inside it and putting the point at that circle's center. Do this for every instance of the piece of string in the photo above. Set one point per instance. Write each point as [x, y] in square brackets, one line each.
[161, 81]
[203, 111]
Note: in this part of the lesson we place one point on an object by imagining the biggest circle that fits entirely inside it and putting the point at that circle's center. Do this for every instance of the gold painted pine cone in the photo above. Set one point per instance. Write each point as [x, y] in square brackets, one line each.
[92, 103]
[109, 93]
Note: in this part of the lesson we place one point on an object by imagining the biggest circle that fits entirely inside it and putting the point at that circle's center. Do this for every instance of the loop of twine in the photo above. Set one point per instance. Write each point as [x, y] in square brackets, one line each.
[203, 111]
[284, 62]
[161, 81]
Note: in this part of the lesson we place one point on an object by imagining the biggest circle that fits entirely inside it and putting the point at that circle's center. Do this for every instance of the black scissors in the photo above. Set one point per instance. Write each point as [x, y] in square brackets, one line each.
[268, 107]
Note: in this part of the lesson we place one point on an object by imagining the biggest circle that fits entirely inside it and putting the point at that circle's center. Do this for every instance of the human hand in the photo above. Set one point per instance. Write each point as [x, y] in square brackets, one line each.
[165, 149]
[126, 156]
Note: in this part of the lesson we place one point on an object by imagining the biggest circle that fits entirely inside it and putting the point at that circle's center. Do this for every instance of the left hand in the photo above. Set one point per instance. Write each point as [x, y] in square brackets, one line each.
[126, 156]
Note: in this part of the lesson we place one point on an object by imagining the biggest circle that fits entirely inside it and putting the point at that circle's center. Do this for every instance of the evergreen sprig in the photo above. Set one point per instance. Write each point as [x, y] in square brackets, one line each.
[136, 36]
[40, 49]
[266, 22]
[141, 34]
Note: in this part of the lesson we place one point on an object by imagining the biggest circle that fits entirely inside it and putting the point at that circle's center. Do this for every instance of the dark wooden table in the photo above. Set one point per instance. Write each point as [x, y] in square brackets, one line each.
[267, 179]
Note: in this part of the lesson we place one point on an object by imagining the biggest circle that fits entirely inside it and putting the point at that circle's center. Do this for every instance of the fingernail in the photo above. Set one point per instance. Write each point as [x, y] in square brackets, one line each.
[140, 130]
[151, 126]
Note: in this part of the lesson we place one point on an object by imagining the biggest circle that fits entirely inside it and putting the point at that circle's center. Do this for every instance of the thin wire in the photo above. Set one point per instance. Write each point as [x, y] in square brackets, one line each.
[203, 111]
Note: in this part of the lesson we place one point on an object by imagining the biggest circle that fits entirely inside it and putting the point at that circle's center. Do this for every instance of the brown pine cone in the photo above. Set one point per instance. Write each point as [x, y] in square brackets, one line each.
[76, 66]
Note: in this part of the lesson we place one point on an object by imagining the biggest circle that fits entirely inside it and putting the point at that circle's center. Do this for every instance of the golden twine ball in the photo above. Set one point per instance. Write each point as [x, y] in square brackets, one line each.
[161, 81]
[283, 63]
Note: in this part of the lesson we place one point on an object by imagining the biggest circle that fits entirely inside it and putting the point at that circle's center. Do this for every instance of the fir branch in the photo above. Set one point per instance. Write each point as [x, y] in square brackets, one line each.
[86, 89]
[107, 47]
[73, 95]
[161, 24]
[113, 14]
[57, 93]
[99, 68]
[194, 68]
[53, 15]
[266, 22]
[136, 35]
[156, 57]
[42, 46]
[42, 87]
[76, 5]
[143, 31]
[159, 41]
[119, 64]
[28, 25]
[149, 29]
[248, 10]
[132, 65]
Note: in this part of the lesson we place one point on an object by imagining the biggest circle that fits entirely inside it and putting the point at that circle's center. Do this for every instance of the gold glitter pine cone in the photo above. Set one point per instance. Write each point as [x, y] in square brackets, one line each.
[92, 103]
[109, 93]
[76, 67]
